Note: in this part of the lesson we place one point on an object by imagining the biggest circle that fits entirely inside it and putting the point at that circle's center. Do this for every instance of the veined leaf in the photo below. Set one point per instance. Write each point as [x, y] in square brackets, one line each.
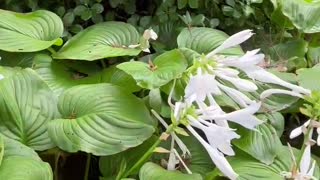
[204, 40]
[21, 162]
[101, 119]
[26, 106]
[11, 59]
[151, 171]
[61, 75]
[303, 14]
[29, 32]
[108, 39]
[164, 68]
[263, 144]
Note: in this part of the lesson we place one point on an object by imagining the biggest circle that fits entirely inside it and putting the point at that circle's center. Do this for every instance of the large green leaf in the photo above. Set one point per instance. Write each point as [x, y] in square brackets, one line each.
[204, 40]
[21, 162]
[263, 144]
[29, 32]
[101, 119]
[61, 75]
[290, 53]
[303, 14]
[151, 171]
[26, 106]
[309, 78]
[108, 39]
[164, 68]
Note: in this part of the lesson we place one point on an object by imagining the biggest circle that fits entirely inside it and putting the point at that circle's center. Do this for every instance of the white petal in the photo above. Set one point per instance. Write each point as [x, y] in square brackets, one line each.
[181, 145]
[218, 137]
[201, 85]
[296, 132]
[311, 171]
[318, 138]
[236, 95]
[172, 158]
[251, 58]
[305, 160]
[228, 72]
[218, 159]
[241, 84]
[243, 117]
[259, 74]
[1, 76]
[269, 92]
[150, 34]
[232, 41]
[133, 46]
[177, 110]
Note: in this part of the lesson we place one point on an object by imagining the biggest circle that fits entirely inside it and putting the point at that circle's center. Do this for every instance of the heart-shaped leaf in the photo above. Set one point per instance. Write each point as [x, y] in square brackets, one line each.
[61, 75]
[21, 162]
[204, 40]
[108, 39]
[26, 106]
[151, 171]
[303, 14]
[162, 70]
[101, 119]
[309, 78]
[29, 32]
[263, 144]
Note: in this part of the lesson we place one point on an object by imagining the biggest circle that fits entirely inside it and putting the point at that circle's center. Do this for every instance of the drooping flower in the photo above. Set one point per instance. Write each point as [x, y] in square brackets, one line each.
[306, 167]
[304, 128]
[208, 73]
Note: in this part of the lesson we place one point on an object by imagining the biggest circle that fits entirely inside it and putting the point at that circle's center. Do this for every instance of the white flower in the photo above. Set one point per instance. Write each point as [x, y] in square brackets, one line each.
[232, 41]
[1, 76]
[150, 34]
[219, 160]
[218, 137]
[299, 130]
[305, 171]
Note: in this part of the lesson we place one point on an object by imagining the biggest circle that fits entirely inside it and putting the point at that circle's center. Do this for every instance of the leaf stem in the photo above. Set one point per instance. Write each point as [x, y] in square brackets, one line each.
[148, 154]
[51, 50]
[306, 140]
[86, 175]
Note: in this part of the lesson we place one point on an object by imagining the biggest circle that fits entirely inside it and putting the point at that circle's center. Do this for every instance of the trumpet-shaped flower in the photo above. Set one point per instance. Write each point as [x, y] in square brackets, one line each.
[213, 69]
[303, 130]
[306, 167]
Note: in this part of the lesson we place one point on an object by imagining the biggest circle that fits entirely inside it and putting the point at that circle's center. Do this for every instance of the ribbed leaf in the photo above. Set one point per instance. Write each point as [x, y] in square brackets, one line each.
[102, 119]
[61, 75]
[29, 32]
[263, 144]
[204, 40]
[21, 162]
[303, 14]
[26, 106]
[164, 68]
[108, 39]
[151, 171]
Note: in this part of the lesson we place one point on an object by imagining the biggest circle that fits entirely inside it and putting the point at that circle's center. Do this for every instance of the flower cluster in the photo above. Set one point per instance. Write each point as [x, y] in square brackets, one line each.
[209, 76]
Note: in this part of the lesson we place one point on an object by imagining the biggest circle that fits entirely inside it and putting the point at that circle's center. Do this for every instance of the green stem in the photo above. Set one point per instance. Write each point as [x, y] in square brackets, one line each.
[147, 155]
[56, 166]
[86, 175]
[51, 50]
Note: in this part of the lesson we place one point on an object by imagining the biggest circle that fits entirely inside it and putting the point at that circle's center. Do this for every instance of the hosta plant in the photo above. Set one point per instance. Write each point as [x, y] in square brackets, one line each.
[202, 110]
